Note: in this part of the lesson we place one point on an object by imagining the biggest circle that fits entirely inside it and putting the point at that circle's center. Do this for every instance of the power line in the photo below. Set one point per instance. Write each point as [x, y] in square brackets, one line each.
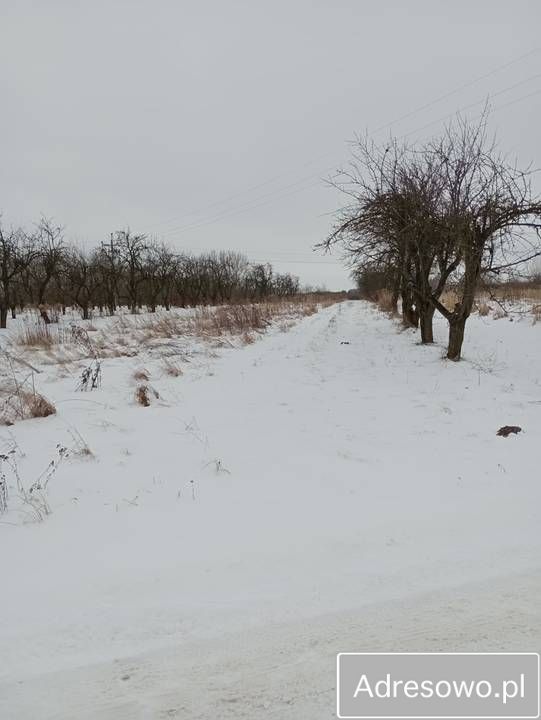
[387, 125]
[474, 104]
[458, 89]
[226, 213]
[524, 97]
[250, 205]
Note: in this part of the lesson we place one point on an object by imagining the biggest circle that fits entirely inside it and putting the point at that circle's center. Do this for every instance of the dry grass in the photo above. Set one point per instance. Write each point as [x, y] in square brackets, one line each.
[172, 369]
[536, 312]
[250, 318]
[140, 375]
[127, 336]
[449, 299]
[248, 339]
[37, 335]
[18, 403]
[309, 309]
[207, 322]
[162, 326]
[515, 292]
[384, 300]
[141, 395]
[483, 309]
[39, 406]
[232, 319]
[286, 325]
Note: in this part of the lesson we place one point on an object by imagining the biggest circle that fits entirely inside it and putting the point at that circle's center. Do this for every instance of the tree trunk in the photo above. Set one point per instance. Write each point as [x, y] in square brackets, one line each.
[409, 314]
[394, 303]
[426, 316]
[3, 316]
[456, 338]
[13, 312]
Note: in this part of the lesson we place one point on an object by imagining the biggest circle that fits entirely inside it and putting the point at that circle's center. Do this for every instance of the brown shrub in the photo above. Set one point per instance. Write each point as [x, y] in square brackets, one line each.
[142, 396]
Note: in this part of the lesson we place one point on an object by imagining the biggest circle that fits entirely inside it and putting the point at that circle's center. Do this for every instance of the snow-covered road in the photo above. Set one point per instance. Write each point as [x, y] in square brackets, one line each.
[334, 487]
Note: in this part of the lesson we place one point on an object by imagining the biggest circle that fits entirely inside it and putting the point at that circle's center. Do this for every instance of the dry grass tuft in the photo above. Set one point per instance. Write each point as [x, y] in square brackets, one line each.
[483, 309]
[17, 403]
[39, 406]
[141, 375]
[248, 339]
[536, 312]
[384, 300]
[141, 395]
[172, 369]
[37, 335]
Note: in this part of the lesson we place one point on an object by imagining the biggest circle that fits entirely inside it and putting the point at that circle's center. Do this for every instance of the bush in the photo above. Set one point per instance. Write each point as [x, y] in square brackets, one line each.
[143, 394]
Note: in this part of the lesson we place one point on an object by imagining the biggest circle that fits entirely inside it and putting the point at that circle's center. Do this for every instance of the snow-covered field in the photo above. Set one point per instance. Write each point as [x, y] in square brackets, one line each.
[333, 487]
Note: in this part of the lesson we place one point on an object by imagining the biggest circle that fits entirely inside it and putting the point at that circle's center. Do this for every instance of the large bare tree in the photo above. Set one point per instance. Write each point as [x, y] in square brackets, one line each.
[451, 210]
[491, 213]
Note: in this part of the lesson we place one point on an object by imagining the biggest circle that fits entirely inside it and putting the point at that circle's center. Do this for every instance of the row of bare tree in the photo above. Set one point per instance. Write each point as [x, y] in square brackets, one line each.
[41, 268]
[448, 212]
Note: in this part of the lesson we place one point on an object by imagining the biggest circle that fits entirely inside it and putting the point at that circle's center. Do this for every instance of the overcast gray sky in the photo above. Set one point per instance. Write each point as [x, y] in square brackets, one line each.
[210, 124]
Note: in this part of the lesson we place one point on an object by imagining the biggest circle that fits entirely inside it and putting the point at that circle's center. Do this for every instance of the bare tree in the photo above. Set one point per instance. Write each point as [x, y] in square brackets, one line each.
[84, 278]
[452, 209]
[49, 240]
[16, 255]
[491, 214]
[390, 224]
[132, 249]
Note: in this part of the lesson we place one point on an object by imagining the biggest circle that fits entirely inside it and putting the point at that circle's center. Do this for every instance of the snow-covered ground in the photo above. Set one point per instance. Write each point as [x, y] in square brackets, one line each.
[333, 487]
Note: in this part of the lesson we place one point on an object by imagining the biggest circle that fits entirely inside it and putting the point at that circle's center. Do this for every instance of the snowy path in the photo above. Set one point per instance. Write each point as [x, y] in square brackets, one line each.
[295, 498]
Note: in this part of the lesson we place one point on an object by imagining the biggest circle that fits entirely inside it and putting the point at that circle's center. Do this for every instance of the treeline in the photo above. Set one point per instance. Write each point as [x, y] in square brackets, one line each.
[41, 268]
[421, 219]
